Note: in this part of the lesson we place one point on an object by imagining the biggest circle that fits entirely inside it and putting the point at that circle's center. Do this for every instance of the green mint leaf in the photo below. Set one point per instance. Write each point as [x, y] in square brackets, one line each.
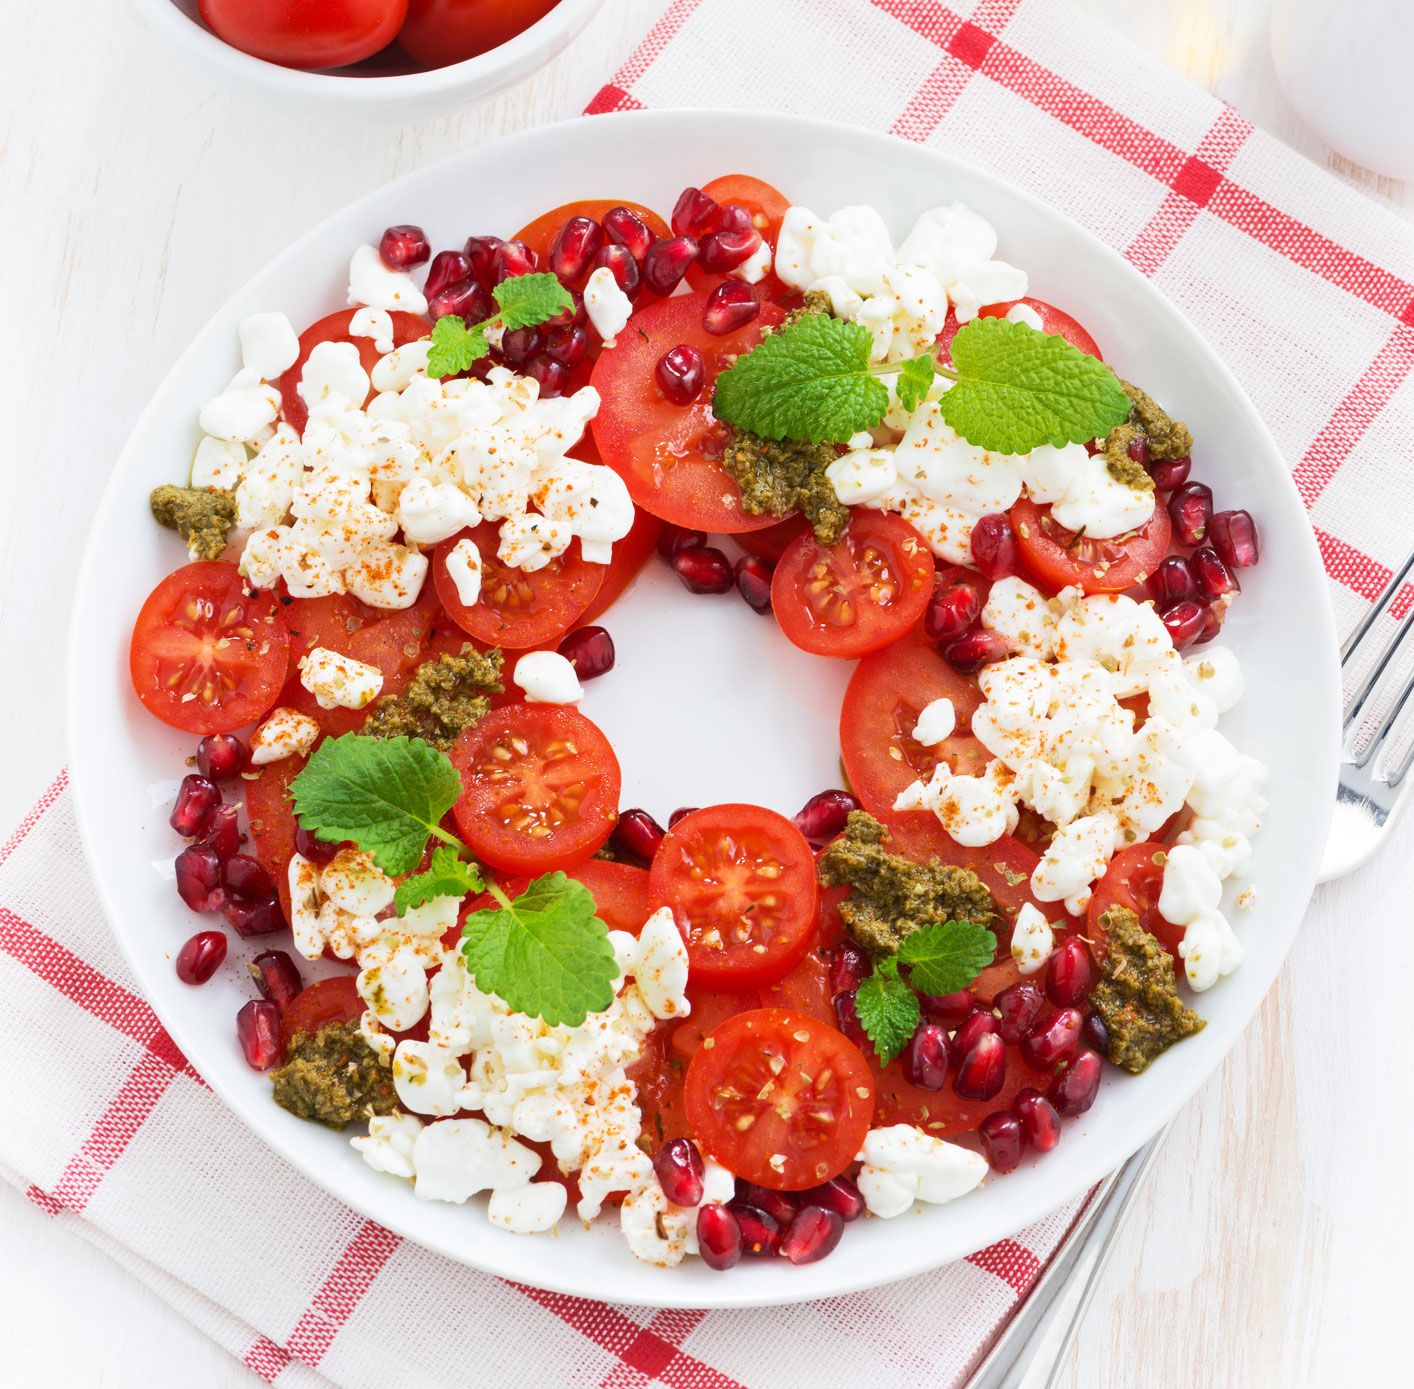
[1017, 389]
[527, 300]
[809, 381]
[888, 1011]
[945, 956]
[914, 378]
[455, 346]
[385, 794]
[449, 875]
[546, 954]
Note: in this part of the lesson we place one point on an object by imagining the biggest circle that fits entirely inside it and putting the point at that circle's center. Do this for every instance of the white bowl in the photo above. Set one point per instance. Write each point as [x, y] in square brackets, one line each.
[394, 93]
[696, 675]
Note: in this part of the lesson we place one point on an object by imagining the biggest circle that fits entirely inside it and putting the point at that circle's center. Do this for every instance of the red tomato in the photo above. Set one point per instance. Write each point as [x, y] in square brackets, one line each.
[312, 34]
[620, 892]
[941, 1113]
[767, 207]
[770, 544]
[440, 32]
[407, 327]
[670, 455]
[741, 882]
[540, 788]
[205, 656]
[1053, 320]
[1055, 558]
[630, 555]
[857, 596]
[332, 1000]
[272, 819]
[540, 234]
[517, 609]
[780, 1099]
[1134, 879]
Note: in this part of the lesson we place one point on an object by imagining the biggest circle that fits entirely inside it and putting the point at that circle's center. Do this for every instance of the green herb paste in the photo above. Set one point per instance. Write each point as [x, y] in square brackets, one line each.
[333, 1077]
[446, 696]
[203, 516]
[1167, 438]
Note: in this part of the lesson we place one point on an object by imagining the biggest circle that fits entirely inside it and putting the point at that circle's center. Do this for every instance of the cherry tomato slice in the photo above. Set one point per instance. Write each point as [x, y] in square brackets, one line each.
[780, 1098]
[741, 882]
[942, 1113]
[305, 36]
[540, 788]
[207, 657]
[1134, 880]
[1055, 558]
[1053, 320]
[620, 893]
[770, 544]
[332, 1000]
[272, 820]
[767, 206]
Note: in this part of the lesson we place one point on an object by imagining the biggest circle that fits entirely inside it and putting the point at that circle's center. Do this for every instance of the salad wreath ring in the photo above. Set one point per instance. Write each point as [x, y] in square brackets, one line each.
[408, 526]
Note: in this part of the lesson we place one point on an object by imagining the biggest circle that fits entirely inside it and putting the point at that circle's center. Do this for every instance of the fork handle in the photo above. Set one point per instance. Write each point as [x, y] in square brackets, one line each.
[1030, 1352]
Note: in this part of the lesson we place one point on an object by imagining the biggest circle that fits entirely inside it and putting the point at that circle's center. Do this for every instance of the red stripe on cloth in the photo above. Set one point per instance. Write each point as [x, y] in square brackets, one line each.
[1013, 1263]
[612, 98]
[44, 1200]
[56, 789]
[267, 1359]
[353, 1274]
[646, 1357]
[1351, 567]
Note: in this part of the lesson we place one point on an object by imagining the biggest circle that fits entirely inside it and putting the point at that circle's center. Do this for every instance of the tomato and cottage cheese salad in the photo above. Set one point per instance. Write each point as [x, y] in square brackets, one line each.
[408, 526]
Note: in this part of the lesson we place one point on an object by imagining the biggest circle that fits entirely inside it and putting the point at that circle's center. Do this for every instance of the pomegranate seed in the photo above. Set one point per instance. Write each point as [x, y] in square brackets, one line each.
[220, 756]
[198, 873]
[849, 967]
[481, 257]
[1184, 622]
[952, 1010]
[951, 611]
[258, 916]
[1171, 474]
[622, 266]
[276, 976]
[679, 1169]
[1040, 1124]
[590, 650]
[994, 547]
[197, 797]
[258, 1031]
[1234, 534]
[1017, 1006]
[574, 247]
[1069, 973]
[1190, 510]
[568, 344]
[667, 262]
[704, 569]
[638, 833]
[925, 1058]
[723, 251]
[973, 650]
[1212, 625]
[246, 879]
[839, 1194]
[1001, 1140]
[466, 299]
[1074, 1089]
[404, 245]
[823, 817]
[447, 268]
[629, 230]
[781, 1206]
[718, 1236]
[730, 306]
[681, 374]
[313, 848]
[519, 345]
[201, 957]
[681, 813]
[512, 258]
[812, 1235]
[553, 377]
[847, 1018]
[1138, 451]
[753, 582]
[982, 1023]
[1096, 1034]
[1172, 582]
[672, 538]
[1051, 1041]
[1215, 579]
[694, 213]
[983, 1069]
[760, 1233]
[222, 834]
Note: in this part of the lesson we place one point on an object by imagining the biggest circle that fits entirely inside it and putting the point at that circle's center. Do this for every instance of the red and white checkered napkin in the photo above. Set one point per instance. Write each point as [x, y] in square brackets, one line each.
[1303, 285]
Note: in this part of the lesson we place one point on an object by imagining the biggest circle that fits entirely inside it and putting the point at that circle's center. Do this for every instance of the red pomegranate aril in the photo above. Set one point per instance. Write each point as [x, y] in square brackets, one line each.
[847, 1018]
[246, 878]
[622, 266]
[694, 213]
[849, 967]
[467, 299]
[760, 1233]
[1001, 1140]
[718, 1236]
[824, 816]
[723, 251]
[973, 650]
[1074, 1089]
[1095, 1034]
[447, 268]
[519, 345]
[951, 611]
[1184, 622]
[220, 756]
[313, 848]
[201, 956]
[222, 834]
[1171, 474]
[197, 797]
[638, 833]
[1172, 582]
[681, 374]
[1138, 451]
[781, 1206]
[982, 1023]
[681, 813]
[1215, 579]
[1040, 1124]
[404, 245]
[590, 650]
[1212, 624]
[704, 569]
[1234, 536]
[276, 976]
[730, 306]
[510, 259]
[952, 1010]
[1017, 1007]
[667, 262]
[1052, 1040]
[839, 1194]
[1070, 972]
[753, 582]
[553, 377]
[679, 1168]
[925, 1058]
[983, 1069]
[574, 247]
[994, 547]
[568, 343]
[629, 230]
[198, 873]
[257, 917]
[672, 538]
[481, 257]
[258, 1031]
[1190, 510]
[814, 1233]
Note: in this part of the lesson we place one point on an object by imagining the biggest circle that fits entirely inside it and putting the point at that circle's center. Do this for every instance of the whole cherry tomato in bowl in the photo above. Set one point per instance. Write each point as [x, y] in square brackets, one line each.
[309, 34]
[437, 33]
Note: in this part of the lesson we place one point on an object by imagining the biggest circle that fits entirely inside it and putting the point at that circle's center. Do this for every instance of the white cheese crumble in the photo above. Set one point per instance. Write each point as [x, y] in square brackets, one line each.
[608, 307]
[548, 678]
[935, 723]
[283, 733]
[1032, 940]
[337, 681]
[377, 286]
[902, 1164]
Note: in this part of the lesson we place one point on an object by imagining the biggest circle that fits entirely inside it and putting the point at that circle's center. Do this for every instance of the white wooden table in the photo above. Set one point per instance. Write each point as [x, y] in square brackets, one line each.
[1273, 1241]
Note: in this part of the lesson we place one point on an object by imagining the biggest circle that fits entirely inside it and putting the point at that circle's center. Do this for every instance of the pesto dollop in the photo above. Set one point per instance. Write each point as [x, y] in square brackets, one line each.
[446, 696]
[1166, 437]
[333, 1077]
[1122, 465]
[203, 516]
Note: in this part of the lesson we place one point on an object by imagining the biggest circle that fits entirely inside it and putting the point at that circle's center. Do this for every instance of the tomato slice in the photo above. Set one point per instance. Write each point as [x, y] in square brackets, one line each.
[620, 892]
[332, 1000]
[857, 596]
[1056, 558]
[741, 882]
[767, 206]
[630, 555]
[540, 787]
[206, 655]
[941, 1113]
[780, 1099]
[517, 609]
[1053, 320]
[1134, 879]
[770, 544]
[540, 234]
[670, 455]
[271, 815]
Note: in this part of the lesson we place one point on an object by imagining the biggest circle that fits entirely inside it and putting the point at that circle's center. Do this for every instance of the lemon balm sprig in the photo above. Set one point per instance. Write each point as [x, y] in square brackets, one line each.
[524, 301]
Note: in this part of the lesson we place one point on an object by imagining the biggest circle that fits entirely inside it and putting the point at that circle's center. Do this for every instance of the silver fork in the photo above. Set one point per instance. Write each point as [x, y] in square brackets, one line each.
[1374, 786]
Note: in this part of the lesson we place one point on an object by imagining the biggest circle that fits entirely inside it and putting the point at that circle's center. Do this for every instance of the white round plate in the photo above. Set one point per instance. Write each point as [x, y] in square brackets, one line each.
[709, 702]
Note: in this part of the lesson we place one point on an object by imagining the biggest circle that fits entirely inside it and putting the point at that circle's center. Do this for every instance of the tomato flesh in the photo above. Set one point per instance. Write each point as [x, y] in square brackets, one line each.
[1056, 558]
[439, 32]
[540, 234]
[767, 206]
[1053, 320]
[326, 1001]
[1134, 880]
